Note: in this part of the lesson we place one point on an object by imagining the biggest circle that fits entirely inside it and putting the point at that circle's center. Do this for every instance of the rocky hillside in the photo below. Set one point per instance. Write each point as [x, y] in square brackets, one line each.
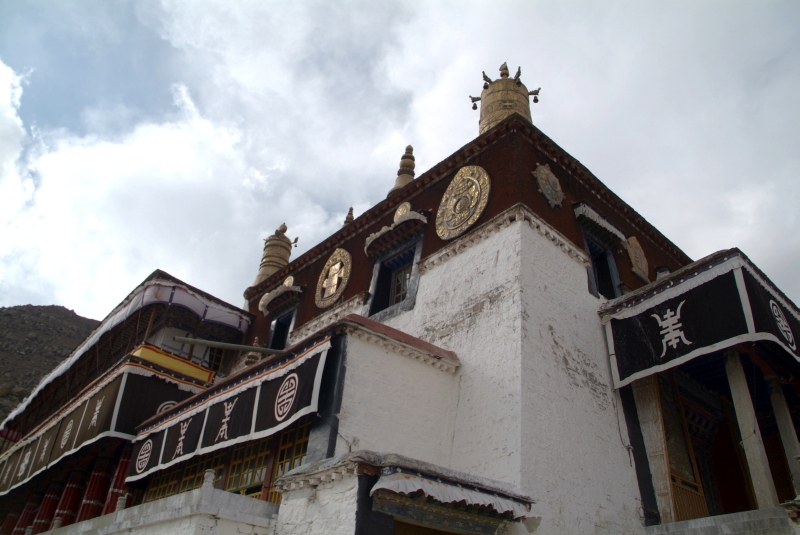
[33, 340]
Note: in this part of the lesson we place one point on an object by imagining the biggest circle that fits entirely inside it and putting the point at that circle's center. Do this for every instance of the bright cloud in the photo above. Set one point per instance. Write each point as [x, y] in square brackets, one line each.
[294, 112]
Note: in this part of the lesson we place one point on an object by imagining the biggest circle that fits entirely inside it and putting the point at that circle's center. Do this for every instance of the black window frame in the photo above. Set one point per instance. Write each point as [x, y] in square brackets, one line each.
[602, 263]
[285, 321]
[380, 306]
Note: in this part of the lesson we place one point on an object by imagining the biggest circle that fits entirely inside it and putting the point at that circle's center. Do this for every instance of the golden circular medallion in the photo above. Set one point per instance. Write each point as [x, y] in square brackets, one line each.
[402, 210]
[289, 281]
[333, 279]
[463, 202]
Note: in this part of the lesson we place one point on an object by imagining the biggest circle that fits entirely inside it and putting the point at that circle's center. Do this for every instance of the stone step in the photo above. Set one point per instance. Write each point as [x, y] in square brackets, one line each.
[773, 521]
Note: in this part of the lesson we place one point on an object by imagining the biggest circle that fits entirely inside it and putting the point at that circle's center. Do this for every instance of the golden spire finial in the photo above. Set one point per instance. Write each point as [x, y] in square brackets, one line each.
[406, 172]
[502, 97]
[349, 217]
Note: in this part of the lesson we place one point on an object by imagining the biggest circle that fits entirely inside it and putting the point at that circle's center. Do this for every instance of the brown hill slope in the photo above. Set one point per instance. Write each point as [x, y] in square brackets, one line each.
[33, 340]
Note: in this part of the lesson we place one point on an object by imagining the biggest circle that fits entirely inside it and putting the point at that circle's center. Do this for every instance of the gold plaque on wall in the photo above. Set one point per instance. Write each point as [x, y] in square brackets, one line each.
[333, 279]
[638, 259]
[463, 202]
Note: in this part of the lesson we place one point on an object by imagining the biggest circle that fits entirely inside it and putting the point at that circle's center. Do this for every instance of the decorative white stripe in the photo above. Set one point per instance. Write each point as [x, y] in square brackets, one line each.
[676, 288]
[119, 400]
[745, 299]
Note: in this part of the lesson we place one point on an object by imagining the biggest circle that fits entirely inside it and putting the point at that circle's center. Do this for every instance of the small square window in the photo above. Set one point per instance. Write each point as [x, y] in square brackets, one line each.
[280, 331]
[394, 280]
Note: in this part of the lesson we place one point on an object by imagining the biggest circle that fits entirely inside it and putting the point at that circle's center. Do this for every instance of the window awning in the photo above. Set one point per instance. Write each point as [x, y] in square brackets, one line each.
[402, 482]
[249, 407]
[715, 303]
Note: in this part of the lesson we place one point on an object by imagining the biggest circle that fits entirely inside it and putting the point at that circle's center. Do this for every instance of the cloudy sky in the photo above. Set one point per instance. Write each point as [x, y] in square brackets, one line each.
[143, 135]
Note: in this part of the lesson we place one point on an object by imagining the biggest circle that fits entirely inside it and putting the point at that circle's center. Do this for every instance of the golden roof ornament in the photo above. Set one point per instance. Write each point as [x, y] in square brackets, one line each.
[406, 172]
[502, 97]
[348, 218]
[253, 356]
[277, 250]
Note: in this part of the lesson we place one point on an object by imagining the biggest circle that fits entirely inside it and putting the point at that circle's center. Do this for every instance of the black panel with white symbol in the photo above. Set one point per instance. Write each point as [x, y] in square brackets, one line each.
[771, 316]
[272, 400]
[183, 438]
[143, 397]
[696, 319]
[284, 397]
[229, 419]
[146, 454]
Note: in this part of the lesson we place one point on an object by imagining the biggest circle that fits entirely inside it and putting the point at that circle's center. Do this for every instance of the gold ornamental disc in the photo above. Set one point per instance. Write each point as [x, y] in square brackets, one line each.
[402, 210]
[463, 202]
[333, 279]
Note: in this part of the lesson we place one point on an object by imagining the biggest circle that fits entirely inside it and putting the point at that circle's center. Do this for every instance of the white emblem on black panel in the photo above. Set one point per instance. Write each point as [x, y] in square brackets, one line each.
[783, 325]
[97, 408]
[179, 447]
[44, 449]
[671, 329]
[144, 456]
[223, 428]
[285, 399]
[65, 436]
[165, 406]
[24, 464]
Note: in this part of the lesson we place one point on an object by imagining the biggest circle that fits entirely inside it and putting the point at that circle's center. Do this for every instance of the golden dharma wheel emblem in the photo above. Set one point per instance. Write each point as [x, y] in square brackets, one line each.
[333, 279]
[402, 210]
[463, 202]
[289, 281]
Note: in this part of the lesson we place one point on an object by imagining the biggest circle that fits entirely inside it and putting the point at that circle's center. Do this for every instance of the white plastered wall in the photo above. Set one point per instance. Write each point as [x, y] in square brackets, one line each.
[535, 406]
[330, 509]
[574, 437]
[470, 304]
[394, 403]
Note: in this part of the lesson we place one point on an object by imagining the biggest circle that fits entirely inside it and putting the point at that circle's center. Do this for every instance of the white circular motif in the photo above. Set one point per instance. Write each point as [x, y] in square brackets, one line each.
[285, 399]
[66, 434]
[167, 405]
[783, 325]
[144, 456]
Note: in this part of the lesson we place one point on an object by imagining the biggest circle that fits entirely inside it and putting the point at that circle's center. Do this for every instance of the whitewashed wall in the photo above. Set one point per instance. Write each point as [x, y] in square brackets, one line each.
[575, 461]
[471, 304]
[393, 403]
[329, 509]
[535, 406]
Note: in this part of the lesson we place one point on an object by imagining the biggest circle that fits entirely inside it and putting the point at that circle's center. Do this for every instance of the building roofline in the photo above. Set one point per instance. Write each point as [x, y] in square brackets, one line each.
[513, 123]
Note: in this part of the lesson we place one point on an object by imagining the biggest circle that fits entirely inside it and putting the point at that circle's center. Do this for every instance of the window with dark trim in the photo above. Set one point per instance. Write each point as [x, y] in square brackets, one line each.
[603, 278]
[394, 279]
[280, 330]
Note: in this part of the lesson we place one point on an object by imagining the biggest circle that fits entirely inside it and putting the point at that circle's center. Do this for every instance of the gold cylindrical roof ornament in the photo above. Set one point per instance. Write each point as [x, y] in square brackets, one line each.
[502, 97]
[277, 250]
[406, 172]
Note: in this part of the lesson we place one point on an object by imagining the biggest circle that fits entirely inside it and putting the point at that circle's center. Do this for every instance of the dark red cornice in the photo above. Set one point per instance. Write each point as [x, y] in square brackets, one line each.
[514, 123]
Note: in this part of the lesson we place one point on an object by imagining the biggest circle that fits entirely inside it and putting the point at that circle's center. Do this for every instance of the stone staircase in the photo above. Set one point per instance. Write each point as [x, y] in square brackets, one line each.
[773, 521]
